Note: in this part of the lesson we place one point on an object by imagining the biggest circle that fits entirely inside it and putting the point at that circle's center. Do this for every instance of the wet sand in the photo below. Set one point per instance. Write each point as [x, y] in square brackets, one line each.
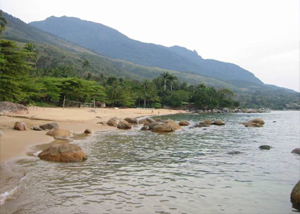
[14, 144]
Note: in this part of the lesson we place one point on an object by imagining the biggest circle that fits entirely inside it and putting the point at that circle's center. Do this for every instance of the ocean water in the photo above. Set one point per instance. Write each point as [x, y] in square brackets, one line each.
[187, 171]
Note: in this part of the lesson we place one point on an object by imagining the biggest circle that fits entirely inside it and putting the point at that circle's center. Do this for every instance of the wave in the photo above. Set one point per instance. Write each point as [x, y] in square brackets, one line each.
[8, 194]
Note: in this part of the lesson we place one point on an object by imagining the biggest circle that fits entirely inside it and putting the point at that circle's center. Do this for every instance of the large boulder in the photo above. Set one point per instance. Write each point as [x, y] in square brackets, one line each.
[173, 124]
[59, 133]
[206, 122]
[123, 124]
[151, 125]
[49, 126]
[63, 153]
[20, 126]
[295, 196]
[150, 120]
[131, 120]
[37, 128]
[113, 122]
[183, 123]
[257, 120]
[218, 122]
[162, 128]
[296, 151]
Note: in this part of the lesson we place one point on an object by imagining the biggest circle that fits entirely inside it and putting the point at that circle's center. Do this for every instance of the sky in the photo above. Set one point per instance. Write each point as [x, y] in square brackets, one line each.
[261, 36]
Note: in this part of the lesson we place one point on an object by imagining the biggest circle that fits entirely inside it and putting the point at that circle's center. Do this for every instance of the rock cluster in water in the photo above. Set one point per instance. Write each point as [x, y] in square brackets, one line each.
[257, 122]
[227, 110]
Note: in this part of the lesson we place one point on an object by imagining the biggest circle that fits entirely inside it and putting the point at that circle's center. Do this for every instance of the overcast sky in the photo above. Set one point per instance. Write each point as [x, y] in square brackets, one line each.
[261, 36]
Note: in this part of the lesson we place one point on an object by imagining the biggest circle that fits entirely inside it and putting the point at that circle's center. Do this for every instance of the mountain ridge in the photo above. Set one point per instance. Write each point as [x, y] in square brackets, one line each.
[110, 42]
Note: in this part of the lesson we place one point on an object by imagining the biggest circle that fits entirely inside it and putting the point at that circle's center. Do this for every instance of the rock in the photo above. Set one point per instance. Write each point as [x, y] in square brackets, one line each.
[143, 121]
[234, 153]
[158, 119]
[8, 107]
[218, 122]
[206, 122]
[173, 124]
[226, 110]
[49, 126]
[150, 120]
[183, 123]
[123, 124]
[295, 196]
[145, 128]
[36, 128]
[59, 133]
[131, 120]
[113, 122]
[63, 153]
[296, 151]
[152, 125]
[265, 147]
[162, 128]
[257, 120]
[88, 131]
[20, 126]
[1, 134]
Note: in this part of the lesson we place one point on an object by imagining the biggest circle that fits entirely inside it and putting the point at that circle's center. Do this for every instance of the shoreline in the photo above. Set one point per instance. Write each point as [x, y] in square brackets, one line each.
[16, 144]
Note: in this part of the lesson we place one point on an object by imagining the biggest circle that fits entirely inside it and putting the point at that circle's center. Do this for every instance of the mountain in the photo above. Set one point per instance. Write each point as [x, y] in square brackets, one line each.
[56, 52]
[109, 42]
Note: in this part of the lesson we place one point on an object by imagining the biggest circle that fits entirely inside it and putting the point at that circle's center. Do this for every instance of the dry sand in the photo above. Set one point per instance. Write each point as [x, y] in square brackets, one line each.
[14, 144]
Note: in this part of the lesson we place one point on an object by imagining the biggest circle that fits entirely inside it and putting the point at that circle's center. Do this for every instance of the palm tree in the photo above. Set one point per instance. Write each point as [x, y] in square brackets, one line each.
[172, 78]
[165, 76]
[3, 22]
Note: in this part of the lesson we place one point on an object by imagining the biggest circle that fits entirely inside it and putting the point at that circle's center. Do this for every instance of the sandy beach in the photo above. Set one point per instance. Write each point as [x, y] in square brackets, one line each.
[14, 144]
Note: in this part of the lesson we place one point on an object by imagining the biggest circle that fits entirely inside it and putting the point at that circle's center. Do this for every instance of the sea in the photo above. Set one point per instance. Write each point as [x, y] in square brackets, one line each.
[215, 169]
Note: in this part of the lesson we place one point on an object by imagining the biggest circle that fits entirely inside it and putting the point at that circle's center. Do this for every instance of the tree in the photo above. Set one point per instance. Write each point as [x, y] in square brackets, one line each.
[172, 78]
[3, 22]
[14, 72]
[165, 76]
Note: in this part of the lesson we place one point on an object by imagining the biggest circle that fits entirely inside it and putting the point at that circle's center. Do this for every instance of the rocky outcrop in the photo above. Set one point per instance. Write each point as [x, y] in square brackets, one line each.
[296, 151]
[123, 124]
[183, 123]
[63, 153]
[218, 122]
[265, 147]
[49, 126]
[9, 107]
[20, 126]
[143, 121]
[152, 125]
[150, 120]
[131, 120]
[295, 196]
[113, 121]
[59, 133]
[88, 131]
[258, 122]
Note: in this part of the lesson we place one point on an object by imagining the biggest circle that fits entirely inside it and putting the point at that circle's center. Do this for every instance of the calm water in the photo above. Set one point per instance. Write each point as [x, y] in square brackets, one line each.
[188, 171]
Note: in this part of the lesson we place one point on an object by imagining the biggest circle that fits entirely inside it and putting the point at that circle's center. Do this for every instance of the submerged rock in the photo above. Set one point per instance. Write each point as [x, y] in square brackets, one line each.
[206, 122]
[20, 126]
[123, 124]
[258, 122]
[49, 126]
[295, 196]
[63, 153]
[183, 123]
[265, 147]
[59, 133]
[234, 153]
[296, 151]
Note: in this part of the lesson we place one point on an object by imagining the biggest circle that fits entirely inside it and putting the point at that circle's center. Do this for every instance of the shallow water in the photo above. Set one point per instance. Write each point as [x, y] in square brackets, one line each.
[188, 171]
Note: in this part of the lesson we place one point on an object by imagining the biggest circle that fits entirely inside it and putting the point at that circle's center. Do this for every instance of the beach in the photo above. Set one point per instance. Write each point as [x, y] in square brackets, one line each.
[14, 144]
